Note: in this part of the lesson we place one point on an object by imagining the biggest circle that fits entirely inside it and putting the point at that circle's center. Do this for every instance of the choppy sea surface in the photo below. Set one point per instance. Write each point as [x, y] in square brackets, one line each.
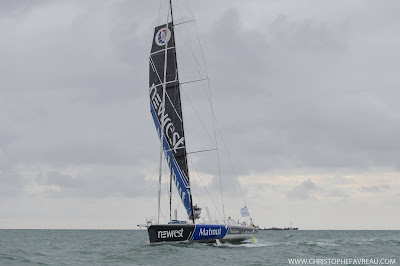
[131, 247]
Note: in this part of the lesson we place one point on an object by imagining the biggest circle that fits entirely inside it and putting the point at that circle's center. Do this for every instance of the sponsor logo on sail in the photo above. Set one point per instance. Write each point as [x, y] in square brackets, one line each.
[173, 137]
[162, 36]
[174, 140]
[170, 233]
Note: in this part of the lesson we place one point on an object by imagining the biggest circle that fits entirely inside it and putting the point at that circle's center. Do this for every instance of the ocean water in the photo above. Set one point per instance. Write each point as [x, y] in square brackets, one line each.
[131, 247]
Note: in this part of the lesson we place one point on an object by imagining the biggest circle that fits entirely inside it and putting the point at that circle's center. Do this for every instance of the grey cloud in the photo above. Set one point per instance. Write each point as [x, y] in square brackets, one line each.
[337, 194]
[105, 183]
[63, 180]
[308, 190]
[315, 109]
[11, 183]
[304, 191]
[310, 35]
[374, 189]
[17, 8]
[341, 180]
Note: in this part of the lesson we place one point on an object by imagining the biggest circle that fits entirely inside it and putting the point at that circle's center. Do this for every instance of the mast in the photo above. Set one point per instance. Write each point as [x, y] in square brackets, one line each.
[170, 163]
[162, 124]
[170, 190]
[172, 17]
[190, 192]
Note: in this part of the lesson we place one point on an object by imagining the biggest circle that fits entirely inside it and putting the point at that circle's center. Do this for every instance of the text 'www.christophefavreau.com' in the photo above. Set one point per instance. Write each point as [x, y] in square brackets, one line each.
[336, 261]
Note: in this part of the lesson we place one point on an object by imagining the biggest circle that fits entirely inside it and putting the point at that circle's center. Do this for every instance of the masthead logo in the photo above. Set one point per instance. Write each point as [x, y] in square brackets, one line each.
[162, 36]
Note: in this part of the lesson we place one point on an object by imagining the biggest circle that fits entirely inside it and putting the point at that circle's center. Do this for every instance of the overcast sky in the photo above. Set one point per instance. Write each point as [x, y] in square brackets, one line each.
[306, 93]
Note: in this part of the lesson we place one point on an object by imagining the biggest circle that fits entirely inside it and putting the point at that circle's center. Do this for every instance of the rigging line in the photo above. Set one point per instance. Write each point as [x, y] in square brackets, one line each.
[208, 83]
[190, 47]
[202, 53]
[191, 52]
[183, 22]
[215, 121]
[188, 8]
[187, 34]
[201, 121]
[169, 182]
[166, 184]
[197, 80]
[177, 206]
[163, 216]
[209, 96]
[166, 179]
[183, 4]
[198, 198]
[195, 169]
[204, 63]
[213, 116]
[198, 39]
[210, 100]
[200, 151]
[159, 12]
[163, 7]
[219, 173]
[230, 162]
[190, 43]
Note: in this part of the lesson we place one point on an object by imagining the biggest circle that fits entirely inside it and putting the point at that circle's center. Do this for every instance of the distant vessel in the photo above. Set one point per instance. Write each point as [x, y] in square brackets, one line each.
[284, 228]
[166, 110]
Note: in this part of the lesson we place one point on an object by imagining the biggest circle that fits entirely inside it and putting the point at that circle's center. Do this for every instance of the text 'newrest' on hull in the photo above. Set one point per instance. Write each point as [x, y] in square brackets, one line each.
[199, 232]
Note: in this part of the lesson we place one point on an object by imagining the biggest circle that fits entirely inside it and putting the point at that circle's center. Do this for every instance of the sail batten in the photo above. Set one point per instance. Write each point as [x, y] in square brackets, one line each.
[167, 114]
[162, 84]
[162, 50]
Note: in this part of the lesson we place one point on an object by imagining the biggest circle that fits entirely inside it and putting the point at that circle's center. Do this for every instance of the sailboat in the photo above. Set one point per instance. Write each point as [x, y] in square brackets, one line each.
[166, 111]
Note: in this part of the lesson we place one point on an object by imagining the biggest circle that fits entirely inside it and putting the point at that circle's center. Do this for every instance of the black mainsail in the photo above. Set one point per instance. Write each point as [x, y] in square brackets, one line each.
[168, 116]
